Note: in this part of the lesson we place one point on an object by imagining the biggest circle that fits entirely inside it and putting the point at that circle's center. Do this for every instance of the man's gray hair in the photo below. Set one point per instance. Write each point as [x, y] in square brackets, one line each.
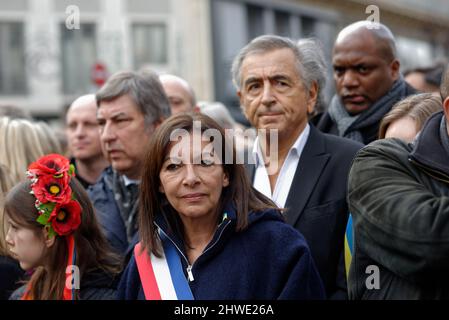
[314, 66]
[145, 90]
[309, 57]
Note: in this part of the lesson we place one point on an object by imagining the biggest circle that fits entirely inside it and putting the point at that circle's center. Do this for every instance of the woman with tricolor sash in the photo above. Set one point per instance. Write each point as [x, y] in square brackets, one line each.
[54, 235]
[205, 233]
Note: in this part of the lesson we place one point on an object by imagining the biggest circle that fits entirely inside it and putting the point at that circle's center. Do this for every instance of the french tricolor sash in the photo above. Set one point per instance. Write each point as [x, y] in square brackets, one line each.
[162, 278]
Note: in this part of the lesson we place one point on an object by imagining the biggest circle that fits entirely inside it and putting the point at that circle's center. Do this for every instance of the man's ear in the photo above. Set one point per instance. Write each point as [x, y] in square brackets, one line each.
[395, 66]
[157, 123]
[446, 108]
[242, 105]
[49, 241]
[150, 129]
[312, 98]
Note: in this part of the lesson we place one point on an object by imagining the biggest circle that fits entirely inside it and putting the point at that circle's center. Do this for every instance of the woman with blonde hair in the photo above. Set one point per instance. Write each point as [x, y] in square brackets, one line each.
[22, 142]
[408, 116]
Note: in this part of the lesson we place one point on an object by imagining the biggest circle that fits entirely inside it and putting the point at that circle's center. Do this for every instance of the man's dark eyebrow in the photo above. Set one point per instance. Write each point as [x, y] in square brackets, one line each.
[250, 80]
[275, 77]
[114, 117]
[279, 77]
[119, 115]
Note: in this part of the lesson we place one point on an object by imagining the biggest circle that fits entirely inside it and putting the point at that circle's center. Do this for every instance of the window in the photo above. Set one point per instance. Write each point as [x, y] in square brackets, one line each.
[12, 59]
[282, 20]
[422, 52]
[308, 26]
[150, 44]
[255, 21]
[78, 55]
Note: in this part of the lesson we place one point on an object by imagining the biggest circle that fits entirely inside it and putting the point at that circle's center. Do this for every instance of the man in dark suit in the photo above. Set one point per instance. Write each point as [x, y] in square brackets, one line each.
[303, 170]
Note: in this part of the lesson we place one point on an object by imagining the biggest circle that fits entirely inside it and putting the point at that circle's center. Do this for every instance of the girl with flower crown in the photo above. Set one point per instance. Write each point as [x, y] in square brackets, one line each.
[53, 231]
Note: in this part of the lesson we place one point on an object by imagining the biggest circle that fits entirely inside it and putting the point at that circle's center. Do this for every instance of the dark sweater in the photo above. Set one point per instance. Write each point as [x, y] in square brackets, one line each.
[268, 260]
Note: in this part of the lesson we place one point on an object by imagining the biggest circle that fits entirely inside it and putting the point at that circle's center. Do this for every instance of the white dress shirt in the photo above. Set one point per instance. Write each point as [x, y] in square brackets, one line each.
[286, 174]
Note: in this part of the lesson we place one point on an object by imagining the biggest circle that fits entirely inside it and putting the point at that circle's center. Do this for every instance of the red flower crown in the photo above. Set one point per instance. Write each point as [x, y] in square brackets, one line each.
[58, 209]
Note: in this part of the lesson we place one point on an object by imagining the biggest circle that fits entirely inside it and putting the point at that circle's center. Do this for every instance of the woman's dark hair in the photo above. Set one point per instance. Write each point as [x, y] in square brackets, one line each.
[92, 249]
[239, 192]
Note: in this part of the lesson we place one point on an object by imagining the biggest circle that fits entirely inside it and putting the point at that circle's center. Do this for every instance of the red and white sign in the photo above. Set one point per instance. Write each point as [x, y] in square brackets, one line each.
[99, 74]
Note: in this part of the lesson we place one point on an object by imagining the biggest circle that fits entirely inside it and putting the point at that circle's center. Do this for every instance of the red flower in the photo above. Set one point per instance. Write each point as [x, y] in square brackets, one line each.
[66, 218]
[47, 188]
[52, 164]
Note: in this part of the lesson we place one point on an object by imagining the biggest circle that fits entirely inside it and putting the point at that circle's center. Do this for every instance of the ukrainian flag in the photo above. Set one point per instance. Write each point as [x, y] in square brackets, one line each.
[349, 244]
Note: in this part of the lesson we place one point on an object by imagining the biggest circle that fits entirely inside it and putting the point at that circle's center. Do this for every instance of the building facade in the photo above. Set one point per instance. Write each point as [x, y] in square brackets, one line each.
[51, 51]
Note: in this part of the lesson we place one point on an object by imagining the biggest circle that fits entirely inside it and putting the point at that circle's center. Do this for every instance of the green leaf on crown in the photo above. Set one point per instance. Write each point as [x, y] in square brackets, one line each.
[51, 232]
[42, 219]
[71, 170]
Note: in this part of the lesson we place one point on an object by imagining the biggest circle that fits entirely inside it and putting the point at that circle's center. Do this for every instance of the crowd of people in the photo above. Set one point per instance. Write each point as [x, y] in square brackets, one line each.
[137, 207]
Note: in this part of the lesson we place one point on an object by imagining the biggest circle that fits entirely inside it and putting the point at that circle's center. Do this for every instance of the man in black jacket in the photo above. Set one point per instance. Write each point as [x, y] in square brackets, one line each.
[367, 80]
[399, 199]
[306, 172]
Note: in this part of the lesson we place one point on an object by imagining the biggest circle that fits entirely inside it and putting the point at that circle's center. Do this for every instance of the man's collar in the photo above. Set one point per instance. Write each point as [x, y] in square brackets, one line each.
[129, 181]
[257, 152]
[428, 149]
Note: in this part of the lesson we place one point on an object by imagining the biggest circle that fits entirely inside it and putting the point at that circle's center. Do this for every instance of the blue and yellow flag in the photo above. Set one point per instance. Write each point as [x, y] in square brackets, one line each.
[349, 244]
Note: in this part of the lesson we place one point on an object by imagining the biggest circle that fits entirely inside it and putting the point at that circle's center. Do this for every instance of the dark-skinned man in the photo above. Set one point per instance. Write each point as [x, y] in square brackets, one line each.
[367, 80]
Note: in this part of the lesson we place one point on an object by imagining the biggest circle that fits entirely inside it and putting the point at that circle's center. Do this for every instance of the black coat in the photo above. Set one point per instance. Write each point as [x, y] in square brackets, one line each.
[316, 204]
[399, 200]
[94, 285]
[10, 275]
[108, 215]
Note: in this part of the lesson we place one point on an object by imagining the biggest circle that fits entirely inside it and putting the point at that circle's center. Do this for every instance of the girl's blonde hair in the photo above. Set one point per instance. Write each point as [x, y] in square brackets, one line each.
[5, 185]
[21, 143]
[418, 107]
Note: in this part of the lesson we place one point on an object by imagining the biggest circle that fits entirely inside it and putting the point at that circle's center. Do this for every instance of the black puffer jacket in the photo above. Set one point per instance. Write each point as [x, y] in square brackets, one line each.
[399, 199]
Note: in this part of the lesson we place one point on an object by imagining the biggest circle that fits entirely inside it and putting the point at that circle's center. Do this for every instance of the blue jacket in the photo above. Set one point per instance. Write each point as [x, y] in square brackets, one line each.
[268, 260]
[108, 215]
